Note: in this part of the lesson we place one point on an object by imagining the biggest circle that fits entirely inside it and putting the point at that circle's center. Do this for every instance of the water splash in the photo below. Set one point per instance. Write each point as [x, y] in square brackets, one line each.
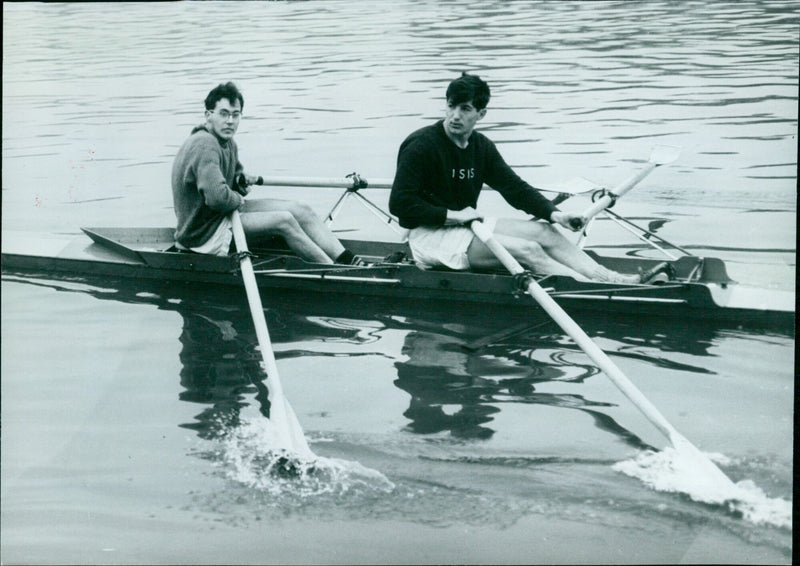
[675, 470]
[251, 459]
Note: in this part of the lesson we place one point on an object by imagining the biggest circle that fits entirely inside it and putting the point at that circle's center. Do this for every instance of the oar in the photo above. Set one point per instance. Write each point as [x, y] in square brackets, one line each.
[330, 182]
[661, 155]
[597, 355]
[281, 414]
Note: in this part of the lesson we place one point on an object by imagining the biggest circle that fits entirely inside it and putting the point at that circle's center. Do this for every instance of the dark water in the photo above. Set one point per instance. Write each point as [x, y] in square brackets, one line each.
[132, 414]
[139, 421]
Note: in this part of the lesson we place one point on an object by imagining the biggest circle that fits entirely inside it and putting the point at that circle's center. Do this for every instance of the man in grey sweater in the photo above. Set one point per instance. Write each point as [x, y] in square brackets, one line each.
[209, 182]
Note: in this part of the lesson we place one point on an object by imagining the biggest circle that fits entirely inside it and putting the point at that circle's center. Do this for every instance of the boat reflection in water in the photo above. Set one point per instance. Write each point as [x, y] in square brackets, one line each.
[455, 390]
[453, 386]
[219, 366]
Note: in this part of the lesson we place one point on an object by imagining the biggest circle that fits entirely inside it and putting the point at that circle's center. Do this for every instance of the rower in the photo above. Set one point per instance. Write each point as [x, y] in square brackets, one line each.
[441, 169]
[209, 183]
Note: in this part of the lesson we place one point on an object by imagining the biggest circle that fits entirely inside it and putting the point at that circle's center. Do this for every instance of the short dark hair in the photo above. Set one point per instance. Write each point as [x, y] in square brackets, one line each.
[468, 88]
[224, 90]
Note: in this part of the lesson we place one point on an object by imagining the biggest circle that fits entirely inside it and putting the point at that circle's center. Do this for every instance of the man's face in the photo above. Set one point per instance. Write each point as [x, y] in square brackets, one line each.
[224, 119]
[460, 119]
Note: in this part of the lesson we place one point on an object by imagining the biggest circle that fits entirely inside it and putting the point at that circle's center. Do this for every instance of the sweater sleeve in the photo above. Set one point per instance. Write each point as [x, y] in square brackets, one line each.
[515, 190]
[211, 183]
[405, 201]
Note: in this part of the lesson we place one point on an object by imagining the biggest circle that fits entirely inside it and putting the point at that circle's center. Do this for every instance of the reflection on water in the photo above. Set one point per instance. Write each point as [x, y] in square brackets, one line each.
[437, 375]
[218, 367]
[452, 386]
[455, 390]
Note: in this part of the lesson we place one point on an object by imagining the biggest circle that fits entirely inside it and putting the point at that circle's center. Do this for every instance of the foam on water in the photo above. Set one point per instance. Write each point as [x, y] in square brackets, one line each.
[250, 458]
[679, 471]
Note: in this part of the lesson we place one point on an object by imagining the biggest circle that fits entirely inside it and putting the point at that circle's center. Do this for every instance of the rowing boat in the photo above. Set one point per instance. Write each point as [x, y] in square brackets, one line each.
[702, 290]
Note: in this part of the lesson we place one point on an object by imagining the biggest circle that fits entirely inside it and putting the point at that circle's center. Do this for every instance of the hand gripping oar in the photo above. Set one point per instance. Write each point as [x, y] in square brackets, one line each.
[661, 155]
[281, 414]
[598, 356]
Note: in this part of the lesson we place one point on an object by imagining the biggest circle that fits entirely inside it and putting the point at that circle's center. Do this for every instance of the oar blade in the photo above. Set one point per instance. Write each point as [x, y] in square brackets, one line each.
[663, 154]
[290, 436]
[711, 479]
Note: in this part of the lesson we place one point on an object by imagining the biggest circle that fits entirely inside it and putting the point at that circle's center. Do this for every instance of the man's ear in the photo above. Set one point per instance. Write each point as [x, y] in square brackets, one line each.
[208, 113]
[481, 114]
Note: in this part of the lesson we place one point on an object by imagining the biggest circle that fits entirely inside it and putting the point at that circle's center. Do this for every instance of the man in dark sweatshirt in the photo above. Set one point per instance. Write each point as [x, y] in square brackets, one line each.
[440, 172]
[208, 183]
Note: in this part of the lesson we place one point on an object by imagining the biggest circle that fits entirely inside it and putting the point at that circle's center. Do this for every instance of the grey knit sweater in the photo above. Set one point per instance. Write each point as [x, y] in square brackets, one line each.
[202, 181]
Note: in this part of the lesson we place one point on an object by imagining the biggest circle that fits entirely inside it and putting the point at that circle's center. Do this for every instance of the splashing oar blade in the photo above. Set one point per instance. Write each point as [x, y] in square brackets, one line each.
[713, 474]
[290, 435]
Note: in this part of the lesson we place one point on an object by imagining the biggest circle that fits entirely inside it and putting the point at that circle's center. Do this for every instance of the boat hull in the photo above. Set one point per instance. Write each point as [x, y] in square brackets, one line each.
[142, 253]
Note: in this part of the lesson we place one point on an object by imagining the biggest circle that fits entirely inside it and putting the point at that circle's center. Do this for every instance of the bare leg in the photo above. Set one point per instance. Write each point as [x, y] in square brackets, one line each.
[314, 228]
[283, 223]
[526, 252]
[556, 246]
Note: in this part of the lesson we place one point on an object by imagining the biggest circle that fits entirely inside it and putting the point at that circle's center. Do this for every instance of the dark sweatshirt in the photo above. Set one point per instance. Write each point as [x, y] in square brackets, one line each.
[435, 175]
[202, 177]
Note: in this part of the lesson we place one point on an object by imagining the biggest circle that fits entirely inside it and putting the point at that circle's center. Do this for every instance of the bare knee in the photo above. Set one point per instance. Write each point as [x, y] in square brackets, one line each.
[545, 234]
[532, 252]
[542, 232]
[279, 223]
[283, 222]
[302, 212]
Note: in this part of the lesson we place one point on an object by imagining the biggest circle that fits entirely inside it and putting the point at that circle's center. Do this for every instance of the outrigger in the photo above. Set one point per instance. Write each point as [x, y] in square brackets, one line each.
[701, 289]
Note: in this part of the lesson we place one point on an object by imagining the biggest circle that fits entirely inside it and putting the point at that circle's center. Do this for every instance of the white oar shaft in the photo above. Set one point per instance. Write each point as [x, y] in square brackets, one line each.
[335, 182]
[256, 308]
[661, 155]
[579, 336]
[607, 200]
[280, 410]
[329, 182]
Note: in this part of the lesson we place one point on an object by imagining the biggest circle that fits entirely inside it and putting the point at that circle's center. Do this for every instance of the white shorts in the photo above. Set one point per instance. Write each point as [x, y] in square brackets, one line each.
[219, 243]
[444, 246]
